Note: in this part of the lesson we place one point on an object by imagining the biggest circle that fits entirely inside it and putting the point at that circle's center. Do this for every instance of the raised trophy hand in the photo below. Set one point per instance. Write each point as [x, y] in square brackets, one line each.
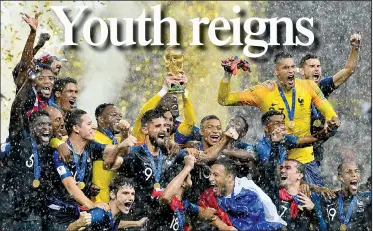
[32, 22]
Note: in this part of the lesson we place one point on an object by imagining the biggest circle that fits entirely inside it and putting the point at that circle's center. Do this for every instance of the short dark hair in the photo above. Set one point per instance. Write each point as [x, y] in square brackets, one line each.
[36, 114]
[266, 117]
[305, 58]
[119, 182]
[209, 117]
[101, 108]
[73, 118]
[61, 83]
[246, 125]
[228, 164]
[300, 166]
[280, 56]
[149, 116]
[340, 167]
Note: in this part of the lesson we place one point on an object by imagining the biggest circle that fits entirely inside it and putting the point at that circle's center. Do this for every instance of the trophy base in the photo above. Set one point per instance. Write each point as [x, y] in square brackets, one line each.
[176, 89]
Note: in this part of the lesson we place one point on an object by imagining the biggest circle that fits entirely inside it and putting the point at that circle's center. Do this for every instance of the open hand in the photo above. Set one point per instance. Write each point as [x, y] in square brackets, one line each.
[32, 22]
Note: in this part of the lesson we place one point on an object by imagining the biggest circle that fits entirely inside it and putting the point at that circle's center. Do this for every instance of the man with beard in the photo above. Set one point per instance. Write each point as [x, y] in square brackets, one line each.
[76, 175]
[122, 196]
[310, 68]
[247, 206]
[109, 124]
[291, 96]
[295, 207]
[351, 209]
[65, 94]
[26, 172]
[182, 131]
[272, 150]
[150, 167]
[176, 205]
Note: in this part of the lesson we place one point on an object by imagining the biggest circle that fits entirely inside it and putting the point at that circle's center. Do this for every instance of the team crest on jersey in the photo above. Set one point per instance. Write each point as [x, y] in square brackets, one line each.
[301, 101]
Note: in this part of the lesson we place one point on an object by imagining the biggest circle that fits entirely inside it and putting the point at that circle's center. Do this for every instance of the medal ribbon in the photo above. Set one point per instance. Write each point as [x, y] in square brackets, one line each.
[157, 171]
[349, 212]
[111, 136]
[36, 160]
[80, 169]
[291, 111]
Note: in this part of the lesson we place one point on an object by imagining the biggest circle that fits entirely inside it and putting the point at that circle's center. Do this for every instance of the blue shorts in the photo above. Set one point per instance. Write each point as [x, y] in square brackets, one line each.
[312, 174]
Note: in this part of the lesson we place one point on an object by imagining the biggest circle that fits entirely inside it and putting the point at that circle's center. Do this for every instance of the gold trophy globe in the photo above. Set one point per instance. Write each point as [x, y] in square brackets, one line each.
[174, 60]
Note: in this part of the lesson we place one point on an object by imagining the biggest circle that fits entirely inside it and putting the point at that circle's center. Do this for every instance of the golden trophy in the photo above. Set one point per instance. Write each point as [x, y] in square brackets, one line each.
[174, 60]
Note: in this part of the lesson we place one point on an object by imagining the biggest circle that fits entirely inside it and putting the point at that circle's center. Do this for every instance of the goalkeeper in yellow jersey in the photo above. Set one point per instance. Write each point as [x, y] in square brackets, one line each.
[292, 97]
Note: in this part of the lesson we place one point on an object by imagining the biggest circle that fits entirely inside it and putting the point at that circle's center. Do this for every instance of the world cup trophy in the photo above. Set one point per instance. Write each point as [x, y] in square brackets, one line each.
[174, 60]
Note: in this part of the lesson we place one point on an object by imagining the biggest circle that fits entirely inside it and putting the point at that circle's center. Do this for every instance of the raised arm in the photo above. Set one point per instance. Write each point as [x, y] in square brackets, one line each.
[16, 112]
[351, 64]
[320, 101]
[112, 152]
[174, 188]
[28, 51]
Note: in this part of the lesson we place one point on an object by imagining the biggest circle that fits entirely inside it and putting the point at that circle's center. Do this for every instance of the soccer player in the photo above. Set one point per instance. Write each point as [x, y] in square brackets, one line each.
[26, 173]
[351, 209]
[76, 174]
[295, 207]
[177, 206]
[272, 150]
[291, 96]
[151, 167]
[109, 124]
[310, 68]
[182, 131]
[122, 196]
[65, 94]
[58, 123]
[247, 206]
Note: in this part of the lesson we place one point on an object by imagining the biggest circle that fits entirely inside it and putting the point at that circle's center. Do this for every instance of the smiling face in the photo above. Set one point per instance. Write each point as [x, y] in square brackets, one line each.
[289, 174]
[211, 131]
[169, 103]
[58, 125]
[220, 179]
[84, 129]
[276, 122]
[110, 117]
[311, 70]
[349, 175]
[67, 97]
[44, 83]
[41, 130]
[156, 131]
[239, 124]
[124, 198]
[285, 73]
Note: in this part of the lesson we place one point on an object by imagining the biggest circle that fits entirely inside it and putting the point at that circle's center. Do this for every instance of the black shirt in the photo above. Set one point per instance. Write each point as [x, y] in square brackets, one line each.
[24, 199]
[361, 214]
[137, 165]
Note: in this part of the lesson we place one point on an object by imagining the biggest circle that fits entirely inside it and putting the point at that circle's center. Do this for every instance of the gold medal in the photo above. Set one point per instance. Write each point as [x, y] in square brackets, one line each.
[157, 185]
[317, 123]
[343, 227]
[291, 124]
[81, 185]
[35, 183]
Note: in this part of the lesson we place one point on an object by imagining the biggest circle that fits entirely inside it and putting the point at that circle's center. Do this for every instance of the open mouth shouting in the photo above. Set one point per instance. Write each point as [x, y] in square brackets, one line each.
[46, 91]
[214, 138]
[45, 136]
[316, 77]
[72, 103]
[353, 185]
[291, 80]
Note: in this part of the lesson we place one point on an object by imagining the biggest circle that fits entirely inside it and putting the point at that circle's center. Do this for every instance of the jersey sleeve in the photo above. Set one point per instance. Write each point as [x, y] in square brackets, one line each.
[228, 98]
[61, 167]
[291, 141]
[327, 86]
[190, 208]
[149, 105]
[319, 100]
[97, 150]
[186, 127]
[97, 216]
